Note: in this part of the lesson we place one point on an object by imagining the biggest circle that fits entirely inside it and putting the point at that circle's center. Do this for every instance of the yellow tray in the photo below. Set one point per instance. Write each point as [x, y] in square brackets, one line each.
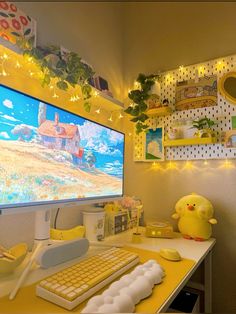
[26, 301]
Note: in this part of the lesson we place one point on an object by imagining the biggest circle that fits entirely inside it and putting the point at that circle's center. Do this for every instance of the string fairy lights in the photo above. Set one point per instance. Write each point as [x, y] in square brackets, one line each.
[98, 111]
[110, 118]
[12, 63]
[3, 59]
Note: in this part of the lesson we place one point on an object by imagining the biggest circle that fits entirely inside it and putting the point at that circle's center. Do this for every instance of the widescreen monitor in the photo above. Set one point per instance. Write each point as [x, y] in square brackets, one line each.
[50, 156]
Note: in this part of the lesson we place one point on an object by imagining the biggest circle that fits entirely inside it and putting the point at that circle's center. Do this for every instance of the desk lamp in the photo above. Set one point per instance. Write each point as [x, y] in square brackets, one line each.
[136, 237]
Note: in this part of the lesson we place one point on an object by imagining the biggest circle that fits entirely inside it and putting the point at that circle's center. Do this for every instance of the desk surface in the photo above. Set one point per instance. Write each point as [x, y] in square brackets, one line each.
[190, 249]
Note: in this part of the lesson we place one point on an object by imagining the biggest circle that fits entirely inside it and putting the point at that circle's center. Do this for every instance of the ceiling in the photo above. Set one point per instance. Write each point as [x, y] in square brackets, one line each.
[165, 35]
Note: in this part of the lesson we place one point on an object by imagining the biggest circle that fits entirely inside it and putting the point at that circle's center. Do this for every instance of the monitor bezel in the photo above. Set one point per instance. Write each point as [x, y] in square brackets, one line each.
[25, 207]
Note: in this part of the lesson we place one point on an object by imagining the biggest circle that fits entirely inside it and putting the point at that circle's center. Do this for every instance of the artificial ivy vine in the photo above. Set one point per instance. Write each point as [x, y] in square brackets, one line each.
[139, 98]
[67, 67]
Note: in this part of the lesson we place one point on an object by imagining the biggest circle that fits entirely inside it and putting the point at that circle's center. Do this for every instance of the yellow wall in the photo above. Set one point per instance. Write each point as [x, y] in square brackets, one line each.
[175, 34]
[94, 30]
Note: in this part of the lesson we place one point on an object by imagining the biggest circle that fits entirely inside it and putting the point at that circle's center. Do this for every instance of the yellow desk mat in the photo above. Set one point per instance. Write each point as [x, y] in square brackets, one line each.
[27, 302]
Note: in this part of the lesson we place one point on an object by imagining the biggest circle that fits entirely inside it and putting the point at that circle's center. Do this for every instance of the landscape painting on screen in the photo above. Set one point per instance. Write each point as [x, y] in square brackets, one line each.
[49, 154]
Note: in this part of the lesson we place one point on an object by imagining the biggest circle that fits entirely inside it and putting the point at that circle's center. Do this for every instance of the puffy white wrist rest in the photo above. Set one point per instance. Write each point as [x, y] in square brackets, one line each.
[62, 252]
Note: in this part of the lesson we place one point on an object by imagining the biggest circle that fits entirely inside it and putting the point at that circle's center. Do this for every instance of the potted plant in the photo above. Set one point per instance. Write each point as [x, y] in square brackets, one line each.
[204, 127]
[140, 97]
[66, 66]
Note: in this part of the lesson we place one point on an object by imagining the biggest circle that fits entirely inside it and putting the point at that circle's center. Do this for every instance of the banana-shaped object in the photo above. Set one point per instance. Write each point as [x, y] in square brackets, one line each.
[70, 234]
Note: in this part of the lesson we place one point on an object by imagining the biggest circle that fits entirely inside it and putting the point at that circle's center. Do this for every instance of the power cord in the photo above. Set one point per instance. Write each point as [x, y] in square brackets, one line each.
[55, 220]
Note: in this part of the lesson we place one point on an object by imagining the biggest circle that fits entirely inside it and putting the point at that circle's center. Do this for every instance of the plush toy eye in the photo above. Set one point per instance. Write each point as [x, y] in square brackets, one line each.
[187, 204]
[194, 204]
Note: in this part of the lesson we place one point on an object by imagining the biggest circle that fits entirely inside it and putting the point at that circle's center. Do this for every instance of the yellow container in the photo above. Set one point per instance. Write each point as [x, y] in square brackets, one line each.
[7, 265]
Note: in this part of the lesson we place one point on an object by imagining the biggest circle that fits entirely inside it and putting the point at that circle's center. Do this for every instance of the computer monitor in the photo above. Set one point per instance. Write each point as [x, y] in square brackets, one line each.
[51, 158]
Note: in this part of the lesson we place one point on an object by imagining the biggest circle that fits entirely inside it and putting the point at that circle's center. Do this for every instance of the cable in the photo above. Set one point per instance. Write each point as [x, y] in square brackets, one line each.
[55, 220]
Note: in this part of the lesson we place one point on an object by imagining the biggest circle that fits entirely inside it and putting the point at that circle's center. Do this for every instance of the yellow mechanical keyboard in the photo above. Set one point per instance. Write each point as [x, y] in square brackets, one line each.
[73, 285]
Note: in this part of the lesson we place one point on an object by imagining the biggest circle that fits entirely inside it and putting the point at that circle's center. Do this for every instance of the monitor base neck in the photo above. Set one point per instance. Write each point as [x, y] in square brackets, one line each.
[42, 226]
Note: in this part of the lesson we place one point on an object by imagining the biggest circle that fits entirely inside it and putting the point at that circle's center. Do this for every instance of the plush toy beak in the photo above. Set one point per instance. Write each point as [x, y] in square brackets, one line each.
[190, 207]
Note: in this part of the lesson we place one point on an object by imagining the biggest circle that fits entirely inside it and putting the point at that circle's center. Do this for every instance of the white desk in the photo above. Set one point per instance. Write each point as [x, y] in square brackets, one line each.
[197, 251]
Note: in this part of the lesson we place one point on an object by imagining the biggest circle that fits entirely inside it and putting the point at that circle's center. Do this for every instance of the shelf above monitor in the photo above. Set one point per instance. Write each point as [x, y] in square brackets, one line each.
[18, 71]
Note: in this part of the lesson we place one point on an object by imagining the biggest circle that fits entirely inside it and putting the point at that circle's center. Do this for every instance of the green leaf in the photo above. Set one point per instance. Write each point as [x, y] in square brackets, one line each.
[135, 119]
[14, 33]
[143, 117]
[3, 14]
[62, 85]
[61, 64]
[27, 32]
[71, 79]
[11, 15]
[46, 80]
[87, 106]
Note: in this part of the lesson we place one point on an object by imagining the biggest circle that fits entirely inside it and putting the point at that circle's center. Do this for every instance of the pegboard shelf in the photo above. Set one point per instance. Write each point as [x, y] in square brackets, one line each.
[162, 111]
[190, 141]
[221, 113]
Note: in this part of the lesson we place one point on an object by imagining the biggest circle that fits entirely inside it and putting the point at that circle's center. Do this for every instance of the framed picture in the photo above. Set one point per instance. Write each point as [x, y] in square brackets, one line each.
[233, 120]
[153, 144]
[15, 25]
[191, 94]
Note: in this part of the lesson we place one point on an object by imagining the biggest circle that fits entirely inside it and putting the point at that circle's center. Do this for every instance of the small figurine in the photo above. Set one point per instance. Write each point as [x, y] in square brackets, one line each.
[165, 102]
[195, 214]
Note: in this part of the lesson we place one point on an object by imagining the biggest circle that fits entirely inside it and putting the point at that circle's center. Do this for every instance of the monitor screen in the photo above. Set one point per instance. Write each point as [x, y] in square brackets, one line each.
[49, 155]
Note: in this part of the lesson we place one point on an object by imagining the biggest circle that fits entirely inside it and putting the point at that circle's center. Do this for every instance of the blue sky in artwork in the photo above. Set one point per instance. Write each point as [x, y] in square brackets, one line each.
[107, 145]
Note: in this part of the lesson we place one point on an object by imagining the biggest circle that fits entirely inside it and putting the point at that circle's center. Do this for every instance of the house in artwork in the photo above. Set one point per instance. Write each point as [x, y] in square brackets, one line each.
[60, 136]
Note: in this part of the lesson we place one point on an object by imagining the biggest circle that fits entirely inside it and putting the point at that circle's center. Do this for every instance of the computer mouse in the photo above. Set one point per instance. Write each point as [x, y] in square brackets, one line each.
[170, 254]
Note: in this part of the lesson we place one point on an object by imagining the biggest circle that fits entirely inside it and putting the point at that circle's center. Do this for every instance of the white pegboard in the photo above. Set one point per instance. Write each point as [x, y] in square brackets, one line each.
[221, 113]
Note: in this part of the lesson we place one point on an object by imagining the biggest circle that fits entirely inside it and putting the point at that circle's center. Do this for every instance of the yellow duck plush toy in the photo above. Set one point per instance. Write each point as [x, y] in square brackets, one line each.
[195, 214]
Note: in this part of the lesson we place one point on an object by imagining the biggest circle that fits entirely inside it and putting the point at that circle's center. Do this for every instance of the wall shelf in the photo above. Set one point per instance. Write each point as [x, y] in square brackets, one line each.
[190, 141]
[108, 102]
[162, 111]
[29, 72]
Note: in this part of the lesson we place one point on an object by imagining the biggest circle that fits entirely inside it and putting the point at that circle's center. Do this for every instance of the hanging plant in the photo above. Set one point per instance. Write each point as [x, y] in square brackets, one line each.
[67, 67]
[139, 98]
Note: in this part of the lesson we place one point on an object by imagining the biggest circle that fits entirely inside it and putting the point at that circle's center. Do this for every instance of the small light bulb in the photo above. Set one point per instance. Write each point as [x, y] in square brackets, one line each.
[4, 73]
[18, 65]
[121, 116]
[181, 67]
[98, 111]
[205, 162]
[130, 134]
[5, 56]
[55, 95]
[96, 93]
[110, 119]
[51, 86]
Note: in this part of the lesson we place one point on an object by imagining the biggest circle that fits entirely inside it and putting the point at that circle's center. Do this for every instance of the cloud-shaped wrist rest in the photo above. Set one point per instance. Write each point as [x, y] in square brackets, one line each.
[122, 295]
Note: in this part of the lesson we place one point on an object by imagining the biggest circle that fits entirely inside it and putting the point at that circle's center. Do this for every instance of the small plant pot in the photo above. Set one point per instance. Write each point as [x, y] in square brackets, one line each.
[136, 238]
[204, 133]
